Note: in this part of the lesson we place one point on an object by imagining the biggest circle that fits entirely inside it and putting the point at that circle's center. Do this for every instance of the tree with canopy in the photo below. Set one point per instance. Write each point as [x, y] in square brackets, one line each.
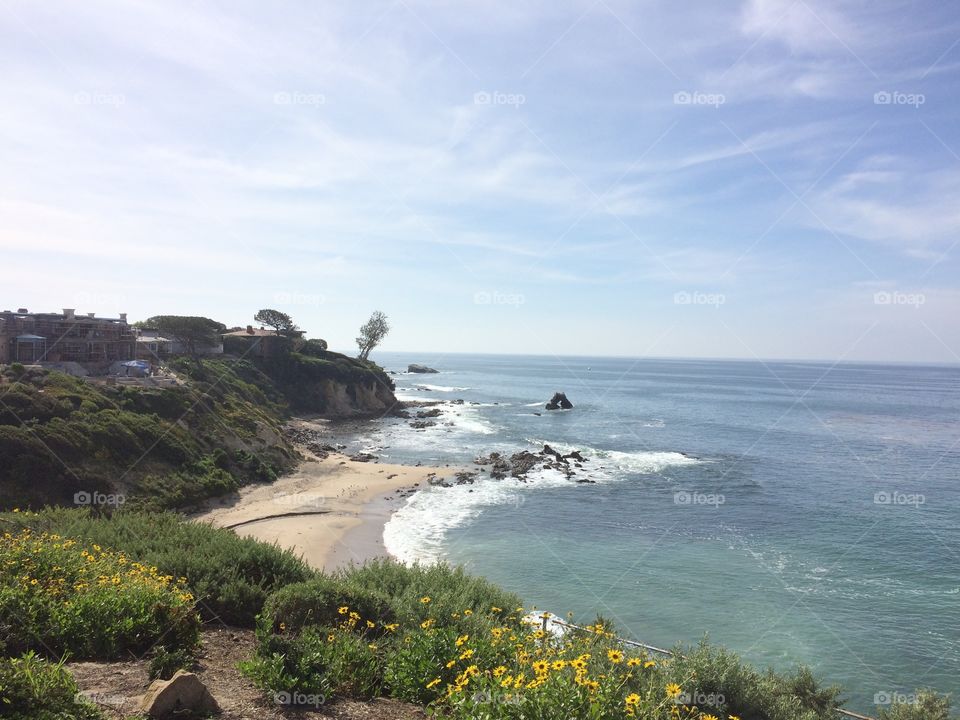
[372, 332]
[190, 331]
[279, 321]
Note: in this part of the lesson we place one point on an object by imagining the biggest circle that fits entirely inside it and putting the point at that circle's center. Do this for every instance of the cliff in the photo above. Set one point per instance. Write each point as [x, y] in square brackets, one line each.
[66, 441]
[332, 385]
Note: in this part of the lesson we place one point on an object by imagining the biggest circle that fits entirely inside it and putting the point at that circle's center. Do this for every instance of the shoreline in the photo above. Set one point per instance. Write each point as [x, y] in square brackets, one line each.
[331, 510]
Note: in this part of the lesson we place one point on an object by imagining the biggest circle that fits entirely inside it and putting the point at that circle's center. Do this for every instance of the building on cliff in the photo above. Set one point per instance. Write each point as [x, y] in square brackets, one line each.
[27, 337]
[255, 342]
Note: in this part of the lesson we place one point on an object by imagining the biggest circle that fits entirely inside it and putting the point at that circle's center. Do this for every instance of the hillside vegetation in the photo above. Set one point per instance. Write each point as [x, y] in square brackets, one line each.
[66, 441]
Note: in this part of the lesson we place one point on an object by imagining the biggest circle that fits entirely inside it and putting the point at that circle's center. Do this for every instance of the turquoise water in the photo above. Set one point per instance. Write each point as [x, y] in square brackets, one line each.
[796, 512]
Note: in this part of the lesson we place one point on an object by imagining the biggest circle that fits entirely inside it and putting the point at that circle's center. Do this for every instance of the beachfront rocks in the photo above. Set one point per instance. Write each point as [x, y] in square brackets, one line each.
[416, 368]
[559, 402]
[422, 424]
[183, 694]
[432, 412]
[363, 457]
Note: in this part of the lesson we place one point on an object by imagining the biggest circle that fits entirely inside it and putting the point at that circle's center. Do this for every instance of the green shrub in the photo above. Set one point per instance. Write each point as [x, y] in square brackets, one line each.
[34, 689]
[317, 602]
[164, 663]
[462, 600]
[58, 596]
[230, 576]
[926, 705]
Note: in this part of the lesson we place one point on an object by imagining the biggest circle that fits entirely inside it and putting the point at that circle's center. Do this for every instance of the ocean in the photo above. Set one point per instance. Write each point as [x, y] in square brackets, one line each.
[795, 512]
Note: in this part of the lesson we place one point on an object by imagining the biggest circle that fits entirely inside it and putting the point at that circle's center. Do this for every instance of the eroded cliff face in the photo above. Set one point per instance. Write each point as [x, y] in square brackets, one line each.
[338, 399]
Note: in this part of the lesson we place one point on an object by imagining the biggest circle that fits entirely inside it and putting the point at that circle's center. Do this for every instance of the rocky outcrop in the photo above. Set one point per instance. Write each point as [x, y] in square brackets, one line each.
[352, 399]
[521, 463]
[559, 402]
[415, 368]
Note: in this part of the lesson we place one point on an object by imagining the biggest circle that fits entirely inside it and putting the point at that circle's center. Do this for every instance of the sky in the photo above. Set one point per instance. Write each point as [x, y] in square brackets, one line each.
[742, 179]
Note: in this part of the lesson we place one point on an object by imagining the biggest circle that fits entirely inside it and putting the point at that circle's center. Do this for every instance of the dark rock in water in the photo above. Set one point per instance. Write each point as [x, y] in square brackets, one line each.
[421, 424]
[415, 368]
[586, 481]
[433, 412]
[559, 402]
[522, 462]
[537, 414]
[547, 450]
[575, 455]
[458, 401]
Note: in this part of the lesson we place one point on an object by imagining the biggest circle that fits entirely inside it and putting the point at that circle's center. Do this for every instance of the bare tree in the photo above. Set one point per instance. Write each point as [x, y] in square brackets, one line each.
[372, 332]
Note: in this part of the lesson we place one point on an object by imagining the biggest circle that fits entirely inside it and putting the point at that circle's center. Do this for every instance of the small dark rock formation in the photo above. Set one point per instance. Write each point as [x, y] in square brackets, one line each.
[421, 424]
[416, 368]
[363, 457]
[559, 402]
[432, 412]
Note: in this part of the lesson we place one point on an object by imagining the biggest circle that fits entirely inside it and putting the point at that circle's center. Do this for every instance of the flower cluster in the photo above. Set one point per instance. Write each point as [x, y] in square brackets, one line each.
[88, 600]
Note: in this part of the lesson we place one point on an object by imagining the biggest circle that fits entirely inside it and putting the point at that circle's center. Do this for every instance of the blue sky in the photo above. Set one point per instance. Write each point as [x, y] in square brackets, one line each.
[753, 178]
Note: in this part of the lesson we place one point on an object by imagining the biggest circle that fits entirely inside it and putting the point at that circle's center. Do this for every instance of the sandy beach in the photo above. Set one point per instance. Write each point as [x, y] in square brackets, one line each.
[330, 510]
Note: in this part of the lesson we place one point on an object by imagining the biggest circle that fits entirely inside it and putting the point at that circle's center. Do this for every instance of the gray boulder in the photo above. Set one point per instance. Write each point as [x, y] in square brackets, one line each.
[415, 368]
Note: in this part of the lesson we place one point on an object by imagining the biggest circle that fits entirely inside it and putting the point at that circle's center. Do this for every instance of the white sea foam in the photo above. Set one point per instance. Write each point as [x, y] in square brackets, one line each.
[417, 531]
[442, 388]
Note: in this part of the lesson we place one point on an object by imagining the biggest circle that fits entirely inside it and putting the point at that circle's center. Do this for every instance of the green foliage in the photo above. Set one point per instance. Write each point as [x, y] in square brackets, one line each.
[752, 694]
[164, 663]
[314, 347]
[60, 596]
[62, 435]
[450, 589]
[193, 332]
[32, 688]
[279, 321]
[317, 601]
[230, 576]
[925, 705]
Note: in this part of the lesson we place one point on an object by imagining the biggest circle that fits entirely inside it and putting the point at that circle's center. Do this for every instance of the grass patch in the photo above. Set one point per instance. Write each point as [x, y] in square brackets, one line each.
[32, 688]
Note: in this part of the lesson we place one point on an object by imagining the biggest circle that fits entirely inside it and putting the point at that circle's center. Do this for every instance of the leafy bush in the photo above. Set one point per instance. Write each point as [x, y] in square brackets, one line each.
[461, 646]
[230, 576]
[59, 596]
[454, 595]
[316, 603]
[927, 705]
[34, 689]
